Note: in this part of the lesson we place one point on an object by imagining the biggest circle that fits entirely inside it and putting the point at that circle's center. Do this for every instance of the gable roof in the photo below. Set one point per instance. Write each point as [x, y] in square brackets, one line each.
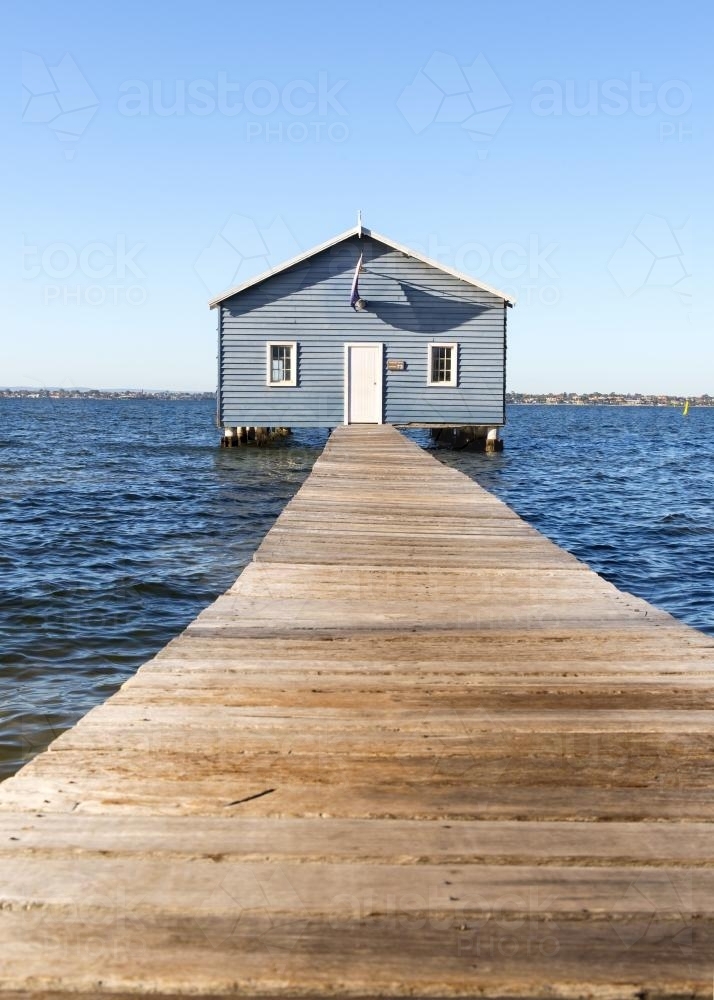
[358, 231]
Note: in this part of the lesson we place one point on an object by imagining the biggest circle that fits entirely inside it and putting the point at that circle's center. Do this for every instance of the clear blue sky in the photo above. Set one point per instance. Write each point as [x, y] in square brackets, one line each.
[160, 148]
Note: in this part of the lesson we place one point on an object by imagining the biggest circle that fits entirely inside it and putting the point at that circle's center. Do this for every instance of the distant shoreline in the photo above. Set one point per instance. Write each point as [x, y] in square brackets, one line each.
[512, 398]
[102, 394]
[604, 399]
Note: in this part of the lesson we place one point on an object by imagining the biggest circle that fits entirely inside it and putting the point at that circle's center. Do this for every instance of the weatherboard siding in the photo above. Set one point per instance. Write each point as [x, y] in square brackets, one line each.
[410, 304]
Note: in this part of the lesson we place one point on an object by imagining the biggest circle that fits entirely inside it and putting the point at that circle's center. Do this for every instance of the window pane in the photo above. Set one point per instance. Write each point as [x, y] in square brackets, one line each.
[280, 363]
[441, 358]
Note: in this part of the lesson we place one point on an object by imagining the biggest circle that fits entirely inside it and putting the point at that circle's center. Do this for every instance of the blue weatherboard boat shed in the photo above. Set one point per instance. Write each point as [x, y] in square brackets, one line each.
[361, 330]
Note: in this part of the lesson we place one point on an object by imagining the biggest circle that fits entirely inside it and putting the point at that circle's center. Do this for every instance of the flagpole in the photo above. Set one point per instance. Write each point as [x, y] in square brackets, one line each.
[356, 301]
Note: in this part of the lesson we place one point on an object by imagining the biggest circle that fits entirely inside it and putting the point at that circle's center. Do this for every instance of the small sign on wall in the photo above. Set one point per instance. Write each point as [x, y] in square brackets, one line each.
[396, 366]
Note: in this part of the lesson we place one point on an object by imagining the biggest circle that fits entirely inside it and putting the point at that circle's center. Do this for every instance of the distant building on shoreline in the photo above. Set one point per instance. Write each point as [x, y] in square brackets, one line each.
[605, 399]
[53, 393]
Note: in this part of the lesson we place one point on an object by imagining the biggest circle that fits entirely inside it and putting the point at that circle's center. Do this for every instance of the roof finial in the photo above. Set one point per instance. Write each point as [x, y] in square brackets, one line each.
[359, 222]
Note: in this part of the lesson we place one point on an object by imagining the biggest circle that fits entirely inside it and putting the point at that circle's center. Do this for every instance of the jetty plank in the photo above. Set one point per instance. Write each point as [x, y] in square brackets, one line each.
[415, 750]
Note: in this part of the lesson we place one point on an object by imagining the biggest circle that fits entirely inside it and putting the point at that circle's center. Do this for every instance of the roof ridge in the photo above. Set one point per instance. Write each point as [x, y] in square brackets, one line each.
[359, 231]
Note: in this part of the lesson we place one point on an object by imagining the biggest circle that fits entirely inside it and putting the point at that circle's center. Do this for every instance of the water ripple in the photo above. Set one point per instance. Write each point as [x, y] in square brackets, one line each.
[630, 490]
[120, 520]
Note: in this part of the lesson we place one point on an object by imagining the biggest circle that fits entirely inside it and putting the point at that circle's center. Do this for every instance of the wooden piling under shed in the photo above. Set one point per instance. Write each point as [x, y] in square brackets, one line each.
[233, 437]
[417, 750]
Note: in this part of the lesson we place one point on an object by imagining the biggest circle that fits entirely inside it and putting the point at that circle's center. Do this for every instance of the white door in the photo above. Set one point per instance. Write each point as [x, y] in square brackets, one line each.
[363, 383]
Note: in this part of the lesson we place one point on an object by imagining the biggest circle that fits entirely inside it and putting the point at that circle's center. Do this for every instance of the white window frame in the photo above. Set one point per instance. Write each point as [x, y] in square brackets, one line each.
[292, 381]
[454, 380]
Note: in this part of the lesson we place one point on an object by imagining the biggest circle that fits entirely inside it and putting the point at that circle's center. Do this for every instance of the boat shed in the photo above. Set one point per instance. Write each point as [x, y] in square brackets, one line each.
[361, 330]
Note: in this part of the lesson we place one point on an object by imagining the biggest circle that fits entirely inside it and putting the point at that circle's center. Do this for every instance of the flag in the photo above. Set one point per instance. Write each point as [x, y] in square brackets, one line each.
[354, 293]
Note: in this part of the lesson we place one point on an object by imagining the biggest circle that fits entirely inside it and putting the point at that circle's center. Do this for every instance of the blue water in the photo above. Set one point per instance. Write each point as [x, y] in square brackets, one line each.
[629, 490]
[120, 520]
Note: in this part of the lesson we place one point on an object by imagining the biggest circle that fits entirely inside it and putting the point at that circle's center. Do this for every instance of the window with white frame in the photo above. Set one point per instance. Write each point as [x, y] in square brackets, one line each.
[281, 362]
[442, 364]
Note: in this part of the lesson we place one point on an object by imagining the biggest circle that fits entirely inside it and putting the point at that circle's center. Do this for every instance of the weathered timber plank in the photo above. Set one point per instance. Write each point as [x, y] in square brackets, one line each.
[289, 956]
[403, 842]
[415, 750]
[193, 786]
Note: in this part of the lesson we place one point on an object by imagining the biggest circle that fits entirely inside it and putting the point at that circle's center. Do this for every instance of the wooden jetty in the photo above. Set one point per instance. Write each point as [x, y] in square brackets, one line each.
[417, 750]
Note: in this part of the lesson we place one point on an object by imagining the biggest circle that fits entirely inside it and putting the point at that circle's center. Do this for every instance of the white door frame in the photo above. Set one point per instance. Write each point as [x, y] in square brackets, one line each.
[364, 343]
